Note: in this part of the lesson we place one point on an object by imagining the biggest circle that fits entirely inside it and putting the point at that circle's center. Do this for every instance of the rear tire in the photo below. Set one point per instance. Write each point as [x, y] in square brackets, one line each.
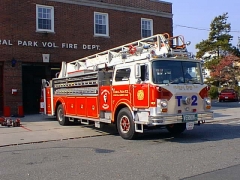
[176, 129]
[62, 120]
[125, 124]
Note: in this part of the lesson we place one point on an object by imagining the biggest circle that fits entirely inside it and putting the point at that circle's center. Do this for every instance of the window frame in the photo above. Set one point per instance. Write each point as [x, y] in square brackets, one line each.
[107, 24]
[37, 18]
[151, 26]
[121, 70]
[168, 72]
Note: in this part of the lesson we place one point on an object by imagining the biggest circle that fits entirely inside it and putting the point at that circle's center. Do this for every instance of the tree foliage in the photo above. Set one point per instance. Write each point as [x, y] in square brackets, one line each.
[235, 51]
[213, 92]
[213, 63]
[219, 37]
[218, 53]
[227, 70]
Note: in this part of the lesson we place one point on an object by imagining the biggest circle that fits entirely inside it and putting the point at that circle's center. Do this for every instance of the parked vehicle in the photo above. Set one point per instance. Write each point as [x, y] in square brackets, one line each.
[228, 95]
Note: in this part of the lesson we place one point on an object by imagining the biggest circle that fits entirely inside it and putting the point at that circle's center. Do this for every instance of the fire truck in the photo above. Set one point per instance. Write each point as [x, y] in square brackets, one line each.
[149, 83]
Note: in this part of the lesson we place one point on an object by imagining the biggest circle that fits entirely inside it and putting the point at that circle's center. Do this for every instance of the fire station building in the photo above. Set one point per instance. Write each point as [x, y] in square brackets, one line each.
[37, 35]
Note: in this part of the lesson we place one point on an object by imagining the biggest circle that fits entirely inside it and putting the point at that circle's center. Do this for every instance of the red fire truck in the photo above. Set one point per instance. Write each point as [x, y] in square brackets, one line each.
[152, 82]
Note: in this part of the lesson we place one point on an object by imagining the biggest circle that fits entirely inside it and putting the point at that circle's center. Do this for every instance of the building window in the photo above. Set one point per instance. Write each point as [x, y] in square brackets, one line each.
[101, 24]
[147, 27]
[45, 18]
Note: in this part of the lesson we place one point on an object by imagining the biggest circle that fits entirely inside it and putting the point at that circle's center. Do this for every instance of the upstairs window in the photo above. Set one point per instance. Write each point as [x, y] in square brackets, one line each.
[146, 27]
[101, 24]
[45, 18]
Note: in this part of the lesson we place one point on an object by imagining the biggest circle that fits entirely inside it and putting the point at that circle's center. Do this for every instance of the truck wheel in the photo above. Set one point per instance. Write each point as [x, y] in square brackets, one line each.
[176, 128]
[125, 124]
[61, 117]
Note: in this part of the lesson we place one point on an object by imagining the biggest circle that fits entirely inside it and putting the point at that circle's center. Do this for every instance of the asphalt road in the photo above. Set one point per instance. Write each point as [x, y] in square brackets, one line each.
[210, 151]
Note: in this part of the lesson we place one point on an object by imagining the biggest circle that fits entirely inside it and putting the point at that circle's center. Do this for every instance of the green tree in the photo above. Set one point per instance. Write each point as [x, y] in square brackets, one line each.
[221, 58]
[218, 41]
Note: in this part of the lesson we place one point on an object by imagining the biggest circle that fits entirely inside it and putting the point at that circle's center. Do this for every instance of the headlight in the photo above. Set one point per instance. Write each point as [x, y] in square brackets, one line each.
[208, 101]
[163, 103]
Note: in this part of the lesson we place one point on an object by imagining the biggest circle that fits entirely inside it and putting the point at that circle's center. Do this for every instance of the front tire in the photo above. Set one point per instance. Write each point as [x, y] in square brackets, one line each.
[62, 120]
[176, 129]
[125, 124]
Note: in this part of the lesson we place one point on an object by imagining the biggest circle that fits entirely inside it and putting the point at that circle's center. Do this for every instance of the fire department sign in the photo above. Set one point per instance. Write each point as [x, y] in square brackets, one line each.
[48, 44]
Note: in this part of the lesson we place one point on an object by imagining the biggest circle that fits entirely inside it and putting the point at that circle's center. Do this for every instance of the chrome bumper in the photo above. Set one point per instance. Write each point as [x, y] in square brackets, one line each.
[175, 118]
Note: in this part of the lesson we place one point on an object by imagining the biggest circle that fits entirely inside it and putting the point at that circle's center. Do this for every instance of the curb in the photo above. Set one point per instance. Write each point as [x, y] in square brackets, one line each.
[38, 142]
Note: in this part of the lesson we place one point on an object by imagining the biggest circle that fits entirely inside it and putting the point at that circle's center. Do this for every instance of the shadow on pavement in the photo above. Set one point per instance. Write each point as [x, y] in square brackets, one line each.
[203, 133]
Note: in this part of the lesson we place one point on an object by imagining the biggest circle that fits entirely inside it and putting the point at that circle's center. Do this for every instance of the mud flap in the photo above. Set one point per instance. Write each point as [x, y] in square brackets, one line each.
[139, 128]
[97, 124]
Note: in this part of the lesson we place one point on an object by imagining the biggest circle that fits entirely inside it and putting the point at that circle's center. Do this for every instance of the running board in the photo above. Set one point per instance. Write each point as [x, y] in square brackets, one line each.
[105, 120]
[83, 121]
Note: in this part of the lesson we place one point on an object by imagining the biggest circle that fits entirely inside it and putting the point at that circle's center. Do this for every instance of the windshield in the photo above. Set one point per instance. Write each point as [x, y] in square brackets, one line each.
[175, 72]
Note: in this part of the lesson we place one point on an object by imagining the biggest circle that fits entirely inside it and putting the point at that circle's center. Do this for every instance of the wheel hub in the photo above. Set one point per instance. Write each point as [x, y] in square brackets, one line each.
[125, 124]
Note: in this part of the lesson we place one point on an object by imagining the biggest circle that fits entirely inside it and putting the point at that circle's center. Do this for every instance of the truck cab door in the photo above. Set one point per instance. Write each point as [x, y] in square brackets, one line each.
[140, 89]
[120, 86]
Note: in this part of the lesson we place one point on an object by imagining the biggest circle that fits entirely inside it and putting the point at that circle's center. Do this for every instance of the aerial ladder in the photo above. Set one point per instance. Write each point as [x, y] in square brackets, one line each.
[157, 45]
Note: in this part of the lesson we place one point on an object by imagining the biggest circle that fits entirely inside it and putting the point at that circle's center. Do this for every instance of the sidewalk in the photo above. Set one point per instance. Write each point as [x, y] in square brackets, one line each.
[226, 113]
[40, 128]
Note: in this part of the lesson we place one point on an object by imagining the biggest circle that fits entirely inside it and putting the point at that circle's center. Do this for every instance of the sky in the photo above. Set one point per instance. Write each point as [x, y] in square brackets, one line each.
[197, 15]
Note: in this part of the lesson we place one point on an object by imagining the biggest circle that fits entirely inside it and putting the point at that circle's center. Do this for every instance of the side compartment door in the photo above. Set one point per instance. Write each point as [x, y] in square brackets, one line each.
[48, 98]
[92, 106]
[71, 109]
[81, 107]
[105, 91]
[105, 96]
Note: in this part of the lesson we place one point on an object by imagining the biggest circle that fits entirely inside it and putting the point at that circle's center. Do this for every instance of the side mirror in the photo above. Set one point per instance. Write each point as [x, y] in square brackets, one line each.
[138, 81]
[137, 71]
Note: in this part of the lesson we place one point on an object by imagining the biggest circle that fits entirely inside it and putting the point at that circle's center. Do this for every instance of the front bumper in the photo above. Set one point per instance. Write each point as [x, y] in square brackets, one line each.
[175, 118]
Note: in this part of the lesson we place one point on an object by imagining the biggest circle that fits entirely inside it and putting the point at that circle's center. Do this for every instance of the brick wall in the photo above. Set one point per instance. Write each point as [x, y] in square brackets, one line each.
[12, 80]
[73, 24]
[143, 4]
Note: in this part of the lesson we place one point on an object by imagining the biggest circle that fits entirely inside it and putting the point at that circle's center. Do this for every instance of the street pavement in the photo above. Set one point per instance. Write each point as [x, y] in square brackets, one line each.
[40, 128]
[224, 113]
